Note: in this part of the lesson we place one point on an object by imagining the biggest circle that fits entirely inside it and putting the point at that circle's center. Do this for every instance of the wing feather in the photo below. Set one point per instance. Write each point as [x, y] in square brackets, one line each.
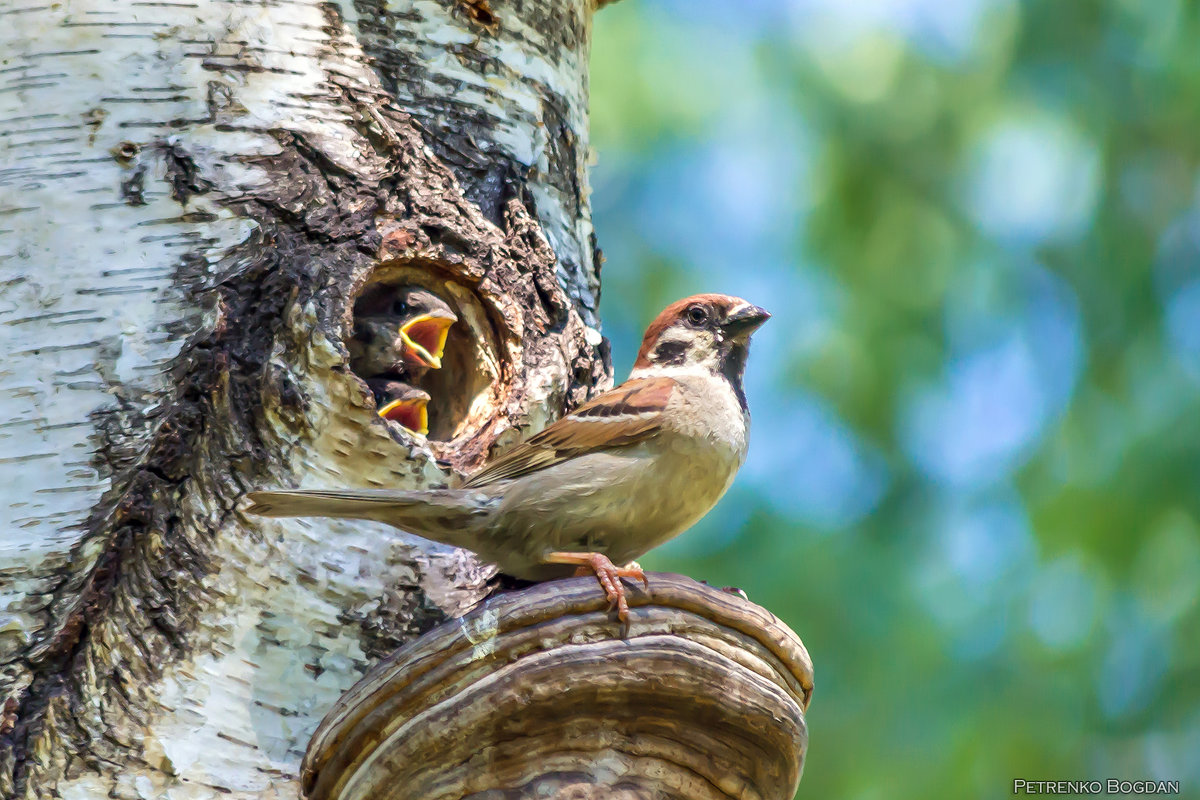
[623, 416]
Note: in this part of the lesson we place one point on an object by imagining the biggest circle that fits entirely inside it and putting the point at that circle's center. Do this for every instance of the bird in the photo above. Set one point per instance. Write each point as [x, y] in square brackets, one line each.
[401, 402]
[611, 480]
[399, 330]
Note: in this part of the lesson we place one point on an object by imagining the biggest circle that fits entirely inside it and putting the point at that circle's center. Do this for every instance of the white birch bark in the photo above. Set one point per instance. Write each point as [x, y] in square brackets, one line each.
[190, 193]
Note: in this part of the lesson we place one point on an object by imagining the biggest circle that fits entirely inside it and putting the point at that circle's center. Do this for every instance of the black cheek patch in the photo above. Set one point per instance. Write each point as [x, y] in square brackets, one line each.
[670, 354]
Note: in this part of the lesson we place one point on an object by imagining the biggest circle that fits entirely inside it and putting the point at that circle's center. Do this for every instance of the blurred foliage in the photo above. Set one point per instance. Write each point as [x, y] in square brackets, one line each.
[972, 486]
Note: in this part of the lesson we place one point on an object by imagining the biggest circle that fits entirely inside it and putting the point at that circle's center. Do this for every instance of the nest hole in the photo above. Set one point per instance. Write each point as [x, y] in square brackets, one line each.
[463, 389]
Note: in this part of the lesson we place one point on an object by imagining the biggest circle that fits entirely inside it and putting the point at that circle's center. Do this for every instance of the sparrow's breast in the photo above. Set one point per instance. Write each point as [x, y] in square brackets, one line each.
[625, 501]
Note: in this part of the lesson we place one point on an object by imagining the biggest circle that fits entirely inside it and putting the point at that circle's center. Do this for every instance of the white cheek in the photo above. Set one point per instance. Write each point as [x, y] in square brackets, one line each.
[703, 353]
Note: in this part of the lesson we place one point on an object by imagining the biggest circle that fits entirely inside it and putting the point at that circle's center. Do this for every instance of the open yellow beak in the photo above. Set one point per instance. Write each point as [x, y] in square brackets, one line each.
[424, 338]
[411, 413]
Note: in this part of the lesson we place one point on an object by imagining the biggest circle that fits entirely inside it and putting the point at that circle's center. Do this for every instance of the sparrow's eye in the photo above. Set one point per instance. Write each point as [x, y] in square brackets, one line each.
[400, 307]
[697, 316]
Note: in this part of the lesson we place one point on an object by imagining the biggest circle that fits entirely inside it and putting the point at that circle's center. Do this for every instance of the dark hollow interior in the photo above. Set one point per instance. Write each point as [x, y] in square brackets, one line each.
[462, 377]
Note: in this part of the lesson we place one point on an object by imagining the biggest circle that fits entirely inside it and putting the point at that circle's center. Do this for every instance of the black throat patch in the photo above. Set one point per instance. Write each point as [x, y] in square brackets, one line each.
[733, 366]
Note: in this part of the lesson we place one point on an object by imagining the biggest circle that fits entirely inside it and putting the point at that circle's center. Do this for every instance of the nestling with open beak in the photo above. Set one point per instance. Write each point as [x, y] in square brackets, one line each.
[399, 329]
[402, 403]
[620, 475]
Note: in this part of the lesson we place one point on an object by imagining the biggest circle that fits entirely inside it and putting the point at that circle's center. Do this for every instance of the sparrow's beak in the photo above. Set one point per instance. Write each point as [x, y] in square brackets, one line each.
[424, 336]
[744, 320]
[409, 411]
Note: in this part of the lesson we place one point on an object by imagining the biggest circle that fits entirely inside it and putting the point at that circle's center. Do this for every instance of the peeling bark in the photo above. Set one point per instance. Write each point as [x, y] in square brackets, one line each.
[191, 197]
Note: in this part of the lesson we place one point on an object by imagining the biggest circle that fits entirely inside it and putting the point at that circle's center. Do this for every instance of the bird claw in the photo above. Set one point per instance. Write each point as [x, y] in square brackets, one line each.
[634, 570]
[609, 575]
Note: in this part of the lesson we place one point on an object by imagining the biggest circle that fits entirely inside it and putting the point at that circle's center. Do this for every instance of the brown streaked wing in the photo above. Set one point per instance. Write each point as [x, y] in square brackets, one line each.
[623, 416]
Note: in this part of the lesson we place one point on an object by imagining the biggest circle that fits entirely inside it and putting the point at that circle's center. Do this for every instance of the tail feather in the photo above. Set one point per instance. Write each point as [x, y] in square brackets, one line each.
[320, 503]
[444, 515]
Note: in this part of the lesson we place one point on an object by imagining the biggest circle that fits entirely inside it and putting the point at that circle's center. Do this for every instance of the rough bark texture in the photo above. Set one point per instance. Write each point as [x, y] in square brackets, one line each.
[191, 196]
[537, 694]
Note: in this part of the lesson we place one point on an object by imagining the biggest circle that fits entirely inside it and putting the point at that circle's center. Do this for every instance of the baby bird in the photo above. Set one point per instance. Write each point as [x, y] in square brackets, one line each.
[399, 330]
[402, 403]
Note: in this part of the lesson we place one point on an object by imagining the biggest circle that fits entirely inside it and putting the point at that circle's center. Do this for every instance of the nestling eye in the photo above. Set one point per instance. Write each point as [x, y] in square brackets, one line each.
[400, 307]
[696, 316]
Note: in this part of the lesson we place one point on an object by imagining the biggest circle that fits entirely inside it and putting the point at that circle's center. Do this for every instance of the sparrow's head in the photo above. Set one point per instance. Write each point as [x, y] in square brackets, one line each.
[425, 323]
[419, 318]
[402, 403]
[706, 331]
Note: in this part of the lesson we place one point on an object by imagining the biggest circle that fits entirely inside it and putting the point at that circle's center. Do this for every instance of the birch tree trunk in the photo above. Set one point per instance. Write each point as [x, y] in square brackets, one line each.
[192, 194]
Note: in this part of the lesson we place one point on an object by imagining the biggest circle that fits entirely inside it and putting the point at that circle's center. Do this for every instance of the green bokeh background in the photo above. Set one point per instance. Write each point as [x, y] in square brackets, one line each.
[974, 473]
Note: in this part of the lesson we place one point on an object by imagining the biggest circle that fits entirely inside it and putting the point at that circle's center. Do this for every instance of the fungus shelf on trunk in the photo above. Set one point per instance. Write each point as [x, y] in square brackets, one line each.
[535, 693]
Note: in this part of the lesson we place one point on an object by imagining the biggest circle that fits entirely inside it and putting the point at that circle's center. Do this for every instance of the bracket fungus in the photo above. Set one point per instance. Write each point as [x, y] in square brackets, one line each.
[536, 693]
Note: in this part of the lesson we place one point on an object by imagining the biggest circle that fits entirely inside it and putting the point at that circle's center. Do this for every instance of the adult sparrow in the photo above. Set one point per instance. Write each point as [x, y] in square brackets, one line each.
[397, 329]
[401, 402]
[621, 474]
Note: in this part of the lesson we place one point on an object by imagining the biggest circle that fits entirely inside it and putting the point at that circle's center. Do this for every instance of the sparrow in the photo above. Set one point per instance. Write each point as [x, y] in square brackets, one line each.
[399, 329]
[618, 476]
[401, 403]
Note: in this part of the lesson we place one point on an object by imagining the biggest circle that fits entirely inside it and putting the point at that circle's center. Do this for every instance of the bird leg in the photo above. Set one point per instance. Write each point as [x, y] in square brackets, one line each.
[608, 573]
